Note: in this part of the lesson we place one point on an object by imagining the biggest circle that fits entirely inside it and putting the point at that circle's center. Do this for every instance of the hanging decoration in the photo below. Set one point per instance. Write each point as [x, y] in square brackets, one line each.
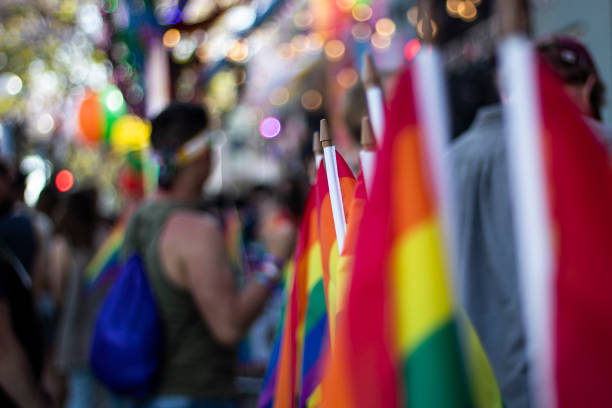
[91, 118]
[113, 105]
[130, 133]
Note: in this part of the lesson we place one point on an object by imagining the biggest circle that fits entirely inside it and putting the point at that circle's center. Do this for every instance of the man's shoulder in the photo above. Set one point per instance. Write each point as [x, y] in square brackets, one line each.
[187, 224]
[478, 144]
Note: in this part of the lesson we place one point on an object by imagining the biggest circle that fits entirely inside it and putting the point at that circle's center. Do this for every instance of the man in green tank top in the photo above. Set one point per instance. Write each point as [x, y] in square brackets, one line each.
[204, 316]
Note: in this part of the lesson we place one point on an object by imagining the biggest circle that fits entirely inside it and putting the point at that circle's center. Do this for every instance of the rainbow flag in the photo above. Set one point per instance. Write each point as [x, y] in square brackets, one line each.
[282, 377]
[330, 253]
[266, 398]
[343, 269]
[106, 263]
[399, 336]
[322, 289]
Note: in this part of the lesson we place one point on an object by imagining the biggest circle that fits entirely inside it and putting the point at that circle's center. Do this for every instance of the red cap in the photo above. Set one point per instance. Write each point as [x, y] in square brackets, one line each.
[568, 57]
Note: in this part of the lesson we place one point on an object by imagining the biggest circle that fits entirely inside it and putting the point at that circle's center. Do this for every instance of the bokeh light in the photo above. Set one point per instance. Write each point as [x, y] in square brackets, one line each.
[345, 5]
[300, 43]
[452, 7]
[45, 124]
[412, 15]
[303, 19]
[13, 84]
[114, 100]
[279, 96]
[239, 51]
[270, 127]
[64, 181]
[362, 12]
[285, 51]
[171, 38]
[312, 100]
[361, 32]
[240, 18]
[347, 77]
[385, 26]
[380, 41]
[412, 48]
[334, 50]
[467, 11]
[315, 41]
[184, 49]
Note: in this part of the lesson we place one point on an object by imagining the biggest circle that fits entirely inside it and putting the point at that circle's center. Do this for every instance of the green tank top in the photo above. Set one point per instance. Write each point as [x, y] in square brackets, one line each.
[193, 363]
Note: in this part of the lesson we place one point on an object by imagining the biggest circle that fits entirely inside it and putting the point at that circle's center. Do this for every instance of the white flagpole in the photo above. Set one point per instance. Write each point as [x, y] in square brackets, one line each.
[333, 182]
[432, 110]
[528, 188]
[375, 98]
[367, 154]
[531, 217]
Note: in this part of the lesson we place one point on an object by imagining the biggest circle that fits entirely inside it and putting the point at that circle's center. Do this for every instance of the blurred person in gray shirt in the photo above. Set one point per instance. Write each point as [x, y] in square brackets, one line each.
[488, 280]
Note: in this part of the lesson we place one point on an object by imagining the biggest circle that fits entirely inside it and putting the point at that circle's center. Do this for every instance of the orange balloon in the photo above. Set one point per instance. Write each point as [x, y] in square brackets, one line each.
[91, 118]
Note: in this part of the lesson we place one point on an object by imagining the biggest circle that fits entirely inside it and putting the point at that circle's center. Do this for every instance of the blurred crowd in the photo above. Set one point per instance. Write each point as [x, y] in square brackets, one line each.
[215, 264]
[60, 259]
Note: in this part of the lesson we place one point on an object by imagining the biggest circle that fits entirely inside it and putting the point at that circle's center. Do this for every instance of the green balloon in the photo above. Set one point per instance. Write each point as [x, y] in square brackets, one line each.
[114, 107]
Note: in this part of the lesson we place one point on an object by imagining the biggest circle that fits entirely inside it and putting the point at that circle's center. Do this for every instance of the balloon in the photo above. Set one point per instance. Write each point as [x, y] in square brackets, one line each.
[91, 118]
[130, 133]
[113, 105]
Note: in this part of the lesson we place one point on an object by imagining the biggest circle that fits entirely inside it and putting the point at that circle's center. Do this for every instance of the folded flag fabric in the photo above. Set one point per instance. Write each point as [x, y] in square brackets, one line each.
[266, 397]
[330, 253]
[399, 335]
[283, 373]
[105, 264]
[579, 176]
[321, 290]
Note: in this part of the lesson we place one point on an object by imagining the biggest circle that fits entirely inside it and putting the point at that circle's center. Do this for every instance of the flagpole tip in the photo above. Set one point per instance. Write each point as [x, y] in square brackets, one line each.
[326, 139]
[370, 75]
[317, 148]
[368, 143]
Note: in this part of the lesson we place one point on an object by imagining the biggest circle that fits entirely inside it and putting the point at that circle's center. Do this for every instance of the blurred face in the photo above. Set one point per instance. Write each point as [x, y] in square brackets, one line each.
[580, 94]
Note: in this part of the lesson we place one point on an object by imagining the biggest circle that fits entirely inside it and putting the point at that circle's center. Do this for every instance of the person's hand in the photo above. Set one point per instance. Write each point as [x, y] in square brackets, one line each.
[278, 234]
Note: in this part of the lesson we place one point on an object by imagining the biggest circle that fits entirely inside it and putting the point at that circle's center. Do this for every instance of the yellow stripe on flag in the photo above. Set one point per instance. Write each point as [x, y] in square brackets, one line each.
[422, 298]
[332, 291]
[315, 398]
[483, 385]
[315, 269]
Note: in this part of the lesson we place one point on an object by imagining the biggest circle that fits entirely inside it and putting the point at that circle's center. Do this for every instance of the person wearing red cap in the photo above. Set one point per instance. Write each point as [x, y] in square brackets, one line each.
[573, 63]
[488, 271]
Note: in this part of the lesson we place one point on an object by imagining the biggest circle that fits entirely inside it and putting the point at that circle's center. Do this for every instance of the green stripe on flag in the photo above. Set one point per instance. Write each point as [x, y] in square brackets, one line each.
[316, 305]
[434, 374]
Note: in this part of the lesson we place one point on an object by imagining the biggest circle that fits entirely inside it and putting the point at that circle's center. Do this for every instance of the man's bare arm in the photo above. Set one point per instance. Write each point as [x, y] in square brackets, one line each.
[229, 313]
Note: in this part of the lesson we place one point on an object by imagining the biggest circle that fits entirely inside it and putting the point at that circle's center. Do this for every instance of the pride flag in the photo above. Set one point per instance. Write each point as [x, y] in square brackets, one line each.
[321, 288]
[399, 337]
[579, 176]
[281, 381]
[106, 263]
[330, 253]
[562, 195]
